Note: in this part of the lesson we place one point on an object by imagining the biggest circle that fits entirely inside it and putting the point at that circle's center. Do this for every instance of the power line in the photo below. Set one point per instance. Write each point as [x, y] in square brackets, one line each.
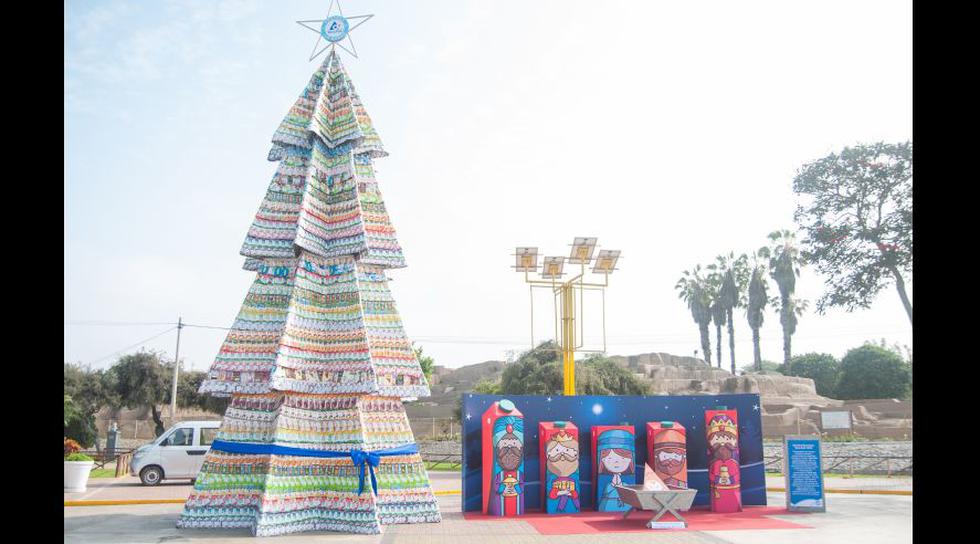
[118, 323]
[138, 344]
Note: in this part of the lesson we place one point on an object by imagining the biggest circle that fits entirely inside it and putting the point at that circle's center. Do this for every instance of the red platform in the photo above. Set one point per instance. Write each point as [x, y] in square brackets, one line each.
[751, 517]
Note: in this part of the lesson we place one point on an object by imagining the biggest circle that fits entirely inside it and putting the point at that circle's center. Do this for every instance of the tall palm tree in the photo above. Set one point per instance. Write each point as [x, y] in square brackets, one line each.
[758, 298]
[693, 291]
[718, 313]
[735, 277]
[784, 267]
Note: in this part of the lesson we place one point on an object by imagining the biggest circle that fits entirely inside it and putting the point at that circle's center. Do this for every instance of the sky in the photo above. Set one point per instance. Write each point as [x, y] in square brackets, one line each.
[669, 130]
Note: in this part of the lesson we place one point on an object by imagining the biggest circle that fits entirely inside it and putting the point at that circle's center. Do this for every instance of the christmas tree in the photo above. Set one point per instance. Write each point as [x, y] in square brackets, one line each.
[317, 362]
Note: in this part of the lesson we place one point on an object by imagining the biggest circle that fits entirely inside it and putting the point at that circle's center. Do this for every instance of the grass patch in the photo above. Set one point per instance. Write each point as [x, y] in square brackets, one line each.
[102, 473]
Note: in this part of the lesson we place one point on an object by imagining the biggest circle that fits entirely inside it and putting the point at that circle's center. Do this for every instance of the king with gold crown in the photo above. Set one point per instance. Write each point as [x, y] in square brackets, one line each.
[723, 469]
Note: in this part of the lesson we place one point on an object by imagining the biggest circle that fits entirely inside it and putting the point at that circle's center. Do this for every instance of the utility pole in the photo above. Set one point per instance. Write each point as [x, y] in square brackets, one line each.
[173, 391]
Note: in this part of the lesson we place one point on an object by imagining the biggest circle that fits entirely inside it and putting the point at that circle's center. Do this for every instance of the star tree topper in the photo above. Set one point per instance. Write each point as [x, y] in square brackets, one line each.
[334, 28]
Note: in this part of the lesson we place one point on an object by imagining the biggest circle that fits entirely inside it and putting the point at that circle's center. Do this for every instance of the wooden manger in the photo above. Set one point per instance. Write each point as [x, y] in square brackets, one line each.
[659, 502]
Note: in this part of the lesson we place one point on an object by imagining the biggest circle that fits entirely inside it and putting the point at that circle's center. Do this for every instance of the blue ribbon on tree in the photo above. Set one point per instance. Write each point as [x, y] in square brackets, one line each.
[361, 459]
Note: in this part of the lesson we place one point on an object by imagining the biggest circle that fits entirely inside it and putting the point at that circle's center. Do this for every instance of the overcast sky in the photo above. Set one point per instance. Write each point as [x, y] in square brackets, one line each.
[669, 130]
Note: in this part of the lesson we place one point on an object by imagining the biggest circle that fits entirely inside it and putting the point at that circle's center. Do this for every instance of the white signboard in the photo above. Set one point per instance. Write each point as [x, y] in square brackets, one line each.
[835, 420]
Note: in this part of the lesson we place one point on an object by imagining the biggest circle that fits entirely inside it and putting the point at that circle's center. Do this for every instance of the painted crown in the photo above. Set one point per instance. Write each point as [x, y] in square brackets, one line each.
[722, 424]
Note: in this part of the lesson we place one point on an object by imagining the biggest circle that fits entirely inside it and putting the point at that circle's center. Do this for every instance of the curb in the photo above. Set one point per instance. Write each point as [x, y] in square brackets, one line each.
[123, 502]
[855, 491]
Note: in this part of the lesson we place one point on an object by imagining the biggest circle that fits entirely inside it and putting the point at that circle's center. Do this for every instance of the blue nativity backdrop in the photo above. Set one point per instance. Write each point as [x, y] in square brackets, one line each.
[586, 411]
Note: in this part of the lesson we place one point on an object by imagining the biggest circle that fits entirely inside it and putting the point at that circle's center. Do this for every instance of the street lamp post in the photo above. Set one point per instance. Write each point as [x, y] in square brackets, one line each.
[569, 339]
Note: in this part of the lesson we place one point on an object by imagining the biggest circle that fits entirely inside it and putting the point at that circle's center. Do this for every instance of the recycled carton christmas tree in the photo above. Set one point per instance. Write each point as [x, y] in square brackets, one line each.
[317, 362]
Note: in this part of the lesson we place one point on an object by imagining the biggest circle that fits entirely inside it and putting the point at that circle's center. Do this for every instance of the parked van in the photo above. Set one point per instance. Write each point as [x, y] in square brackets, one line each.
[176, 454]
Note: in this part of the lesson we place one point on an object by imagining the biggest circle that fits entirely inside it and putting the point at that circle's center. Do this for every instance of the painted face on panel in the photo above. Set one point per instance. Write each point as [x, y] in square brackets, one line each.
[510, 451]
[617, 461]
[562, 456]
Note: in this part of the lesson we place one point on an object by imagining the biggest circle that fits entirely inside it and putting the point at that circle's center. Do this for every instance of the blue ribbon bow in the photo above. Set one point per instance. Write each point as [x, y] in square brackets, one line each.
[360, 458]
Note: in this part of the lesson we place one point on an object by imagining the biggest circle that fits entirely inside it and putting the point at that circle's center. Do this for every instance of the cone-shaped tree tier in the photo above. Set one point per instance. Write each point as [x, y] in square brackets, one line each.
[317, 361]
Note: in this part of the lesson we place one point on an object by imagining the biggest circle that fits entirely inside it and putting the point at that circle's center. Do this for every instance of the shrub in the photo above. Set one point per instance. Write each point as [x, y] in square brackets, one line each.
[873, 372]
[822, 368]
[71, 447]
[78, 457]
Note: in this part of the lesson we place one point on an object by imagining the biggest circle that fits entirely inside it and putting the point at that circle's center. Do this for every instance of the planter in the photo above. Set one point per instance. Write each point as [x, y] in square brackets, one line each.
[76, 475]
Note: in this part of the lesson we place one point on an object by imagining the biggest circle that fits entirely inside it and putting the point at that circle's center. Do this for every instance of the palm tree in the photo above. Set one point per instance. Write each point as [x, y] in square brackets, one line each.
[717, 309]
[758, 298]
[693, 291]
[735, 277]
[784, 266]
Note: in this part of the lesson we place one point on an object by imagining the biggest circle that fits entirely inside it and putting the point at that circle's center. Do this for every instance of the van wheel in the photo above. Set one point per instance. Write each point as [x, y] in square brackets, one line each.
[151, 475]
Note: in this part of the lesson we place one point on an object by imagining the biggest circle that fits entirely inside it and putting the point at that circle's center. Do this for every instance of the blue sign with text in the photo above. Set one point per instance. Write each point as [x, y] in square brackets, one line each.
[804, 477]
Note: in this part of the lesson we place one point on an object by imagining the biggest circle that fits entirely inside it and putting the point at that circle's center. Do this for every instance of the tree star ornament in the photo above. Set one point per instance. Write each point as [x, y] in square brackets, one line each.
[334, 29]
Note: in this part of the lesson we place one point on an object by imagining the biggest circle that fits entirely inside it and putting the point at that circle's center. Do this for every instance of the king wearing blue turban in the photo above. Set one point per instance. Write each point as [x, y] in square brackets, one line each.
[507, 491]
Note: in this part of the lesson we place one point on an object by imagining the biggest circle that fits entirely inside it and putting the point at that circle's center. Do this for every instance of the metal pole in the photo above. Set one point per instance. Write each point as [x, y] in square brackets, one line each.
[173, 390]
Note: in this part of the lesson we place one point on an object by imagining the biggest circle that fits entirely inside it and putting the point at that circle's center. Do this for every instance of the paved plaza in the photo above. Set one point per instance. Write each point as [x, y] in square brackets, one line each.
[867, 519]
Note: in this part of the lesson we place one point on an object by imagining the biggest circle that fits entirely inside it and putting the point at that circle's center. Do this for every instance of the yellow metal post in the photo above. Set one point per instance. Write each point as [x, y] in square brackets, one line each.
[568, 337]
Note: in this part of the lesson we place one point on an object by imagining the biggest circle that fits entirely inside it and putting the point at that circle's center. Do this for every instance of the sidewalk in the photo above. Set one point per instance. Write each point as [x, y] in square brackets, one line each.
[868, 519]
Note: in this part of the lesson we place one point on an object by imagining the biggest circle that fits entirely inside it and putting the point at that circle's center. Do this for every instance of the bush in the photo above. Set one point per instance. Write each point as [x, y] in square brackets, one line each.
[822, 368]
[78, 457]
[81, 427]
[873, 372]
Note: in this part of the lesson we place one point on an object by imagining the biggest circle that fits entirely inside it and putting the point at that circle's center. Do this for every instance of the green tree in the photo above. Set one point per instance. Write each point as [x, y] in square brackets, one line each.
[822, 368]
[757, 300]
[598, 375]
[873, 372]
[188, 395]
[426, 362]
[693, 290]
[734, 274]
[857, 217]
[784, 267]
[768, 367]
[139, 380]
[539, 372]
[79, 426]
[89, 389]
[535, 372]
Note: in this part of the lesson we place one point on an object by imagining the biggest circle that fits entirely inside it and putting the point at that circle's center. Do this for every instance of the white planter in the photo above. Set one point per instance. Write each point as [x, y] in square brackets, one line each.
[76, 475]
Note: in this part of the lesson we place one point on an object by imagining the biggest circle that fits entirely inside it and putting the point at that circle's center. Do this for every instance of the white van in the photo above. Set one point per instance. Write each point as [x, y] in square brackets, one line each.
[176, 454]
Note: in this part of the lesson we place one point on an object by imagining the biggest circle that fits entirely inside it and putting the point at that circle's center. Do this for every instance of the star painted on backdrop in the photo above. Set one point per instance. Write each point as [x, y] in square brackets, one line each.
[755, 407]
[334, 29]
[467, 417]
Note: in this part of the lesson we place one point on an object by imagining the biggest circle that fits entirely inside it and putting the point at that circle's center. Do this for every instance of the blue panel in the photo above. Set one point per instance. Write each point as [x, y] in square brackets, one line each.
[586, 411]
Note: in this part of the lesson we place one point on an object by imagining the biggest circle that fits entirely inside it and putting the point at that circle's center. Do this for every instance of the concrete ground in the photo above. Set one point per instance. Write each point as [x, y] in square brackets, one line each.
[868, 519]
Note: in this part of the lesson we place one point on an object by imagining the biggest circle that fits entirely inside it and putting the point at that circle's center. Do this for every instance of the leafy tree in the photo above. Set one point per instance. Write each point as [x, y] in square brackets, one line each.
[188, 385]
[539, 372]
[757, 300]
[734, 275]
[89, 389]
[857, 216]
[426, 362]
[598, 375]
[784, 267]
[536, 372]
[486, 386]
[768, 367]
[822, 368]
[139, 380]
[873, 372]
[695, 292]
[79, 425]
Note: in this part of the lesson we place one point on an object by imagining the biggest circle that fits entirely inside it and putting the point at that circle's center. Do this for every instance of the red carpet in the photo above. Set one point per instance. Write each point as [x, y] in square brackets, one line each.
[752, 517]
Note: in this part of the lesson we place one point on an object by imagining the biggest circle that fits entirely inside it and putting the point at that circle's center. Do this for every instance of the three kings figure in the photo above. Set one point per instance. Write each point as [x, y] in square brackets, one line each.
[723, 470]
[507, 493]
